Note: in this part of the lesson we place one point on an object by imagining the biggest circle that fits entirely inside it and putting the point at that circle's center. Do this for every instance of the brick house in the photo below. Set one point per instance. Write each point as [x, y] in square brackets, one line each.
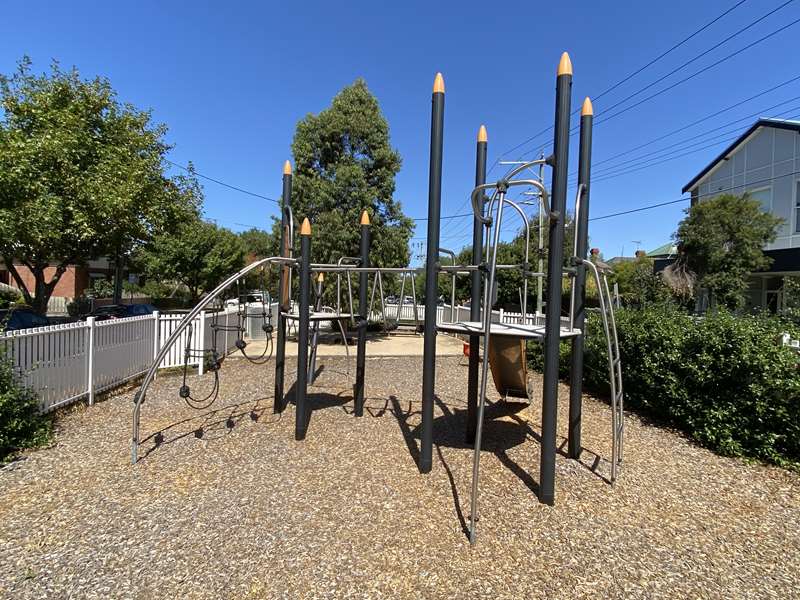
[73, 283]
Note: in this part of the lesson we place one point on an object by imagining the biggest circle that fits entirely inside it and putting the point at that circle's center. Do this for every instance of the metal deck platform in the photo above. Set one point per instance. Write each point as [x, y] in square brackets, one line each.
[530, 332]
[320, 316]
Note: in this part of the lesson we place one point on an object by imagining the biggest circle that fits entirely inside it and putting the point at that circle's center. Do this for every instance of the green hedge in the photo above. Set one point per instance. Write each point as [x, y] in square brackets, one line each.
[21, 425]
[725, 380]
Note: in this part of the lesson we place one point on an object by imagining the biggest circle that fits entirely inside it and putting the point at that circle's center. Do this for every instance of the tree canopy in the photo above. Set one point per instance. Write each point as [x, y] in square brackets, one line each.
[722, 241]
[81, 176]
[344, 163]
[509, 282]
[197, 254]
[639, 285]
[258, 243]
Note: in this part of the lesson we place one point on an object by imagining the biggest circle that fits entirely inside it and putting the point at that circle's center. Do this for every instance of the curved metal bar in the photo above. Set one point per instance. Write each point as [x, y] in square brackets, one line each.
[355, 261]
[185, 322]
[612, 380]
[452, 284]
[524, 217]
[519, 168]
[474, 198]
[487, 320]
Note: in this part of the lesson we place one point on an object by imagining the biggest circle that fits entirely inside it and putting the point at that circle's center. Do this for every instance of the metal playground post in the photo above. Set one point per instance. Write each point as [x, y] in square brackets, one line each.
[579, 283]
[283, 290]
[301, 385]
[432, 273]
[363, 283]
[475, 291]
[555, 259]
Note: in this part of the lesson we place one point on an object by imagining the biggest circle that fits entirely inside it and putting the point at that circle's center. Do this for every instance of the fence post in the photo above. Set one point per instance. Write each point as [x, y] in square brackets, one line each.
[502, 316]
[90, 357]
[201, 336]
[156, 334]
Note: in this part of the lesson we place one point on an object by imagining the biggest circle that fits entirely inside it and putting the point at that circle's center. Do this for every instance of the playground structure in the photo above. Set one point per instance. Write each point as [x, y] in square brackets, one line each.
[504, 344]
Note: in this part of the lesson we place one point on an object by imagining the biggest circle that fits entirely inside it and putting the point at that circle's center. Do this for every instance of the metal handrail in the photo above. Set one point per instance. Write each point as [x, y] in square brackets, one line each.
[614, 368]
[139, 397]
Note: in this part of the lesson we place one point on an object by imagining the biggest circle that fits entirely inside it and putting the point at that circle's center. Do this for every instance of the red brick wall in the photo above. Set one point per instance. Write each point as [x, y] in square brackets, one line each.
[72, 283]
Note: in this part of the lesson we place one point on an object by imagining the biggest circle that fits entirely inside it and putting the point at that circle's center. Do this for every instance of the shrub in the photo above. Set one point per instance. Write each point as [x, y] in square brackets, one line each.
[724, 380]
[9, 296]
[102, 288]
[79, 306]
[21, 425]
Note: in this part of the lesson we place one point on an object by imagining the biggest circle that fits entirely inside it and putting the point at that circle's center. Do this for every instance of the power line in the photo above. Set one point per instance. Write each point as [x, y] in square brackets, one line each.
[696, 73]
[704, 53]
[678, 200]
[469, 214]
[222, 183]
[657, 156]
[702, 120]
[663, 54]
[628, 77]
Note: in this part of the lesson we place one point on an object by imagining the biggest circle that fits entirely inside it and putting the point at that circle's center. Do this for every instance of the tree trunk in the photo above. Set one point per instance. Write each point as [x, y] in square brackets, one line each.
[26, 295]
[42, 289]
[118, 265]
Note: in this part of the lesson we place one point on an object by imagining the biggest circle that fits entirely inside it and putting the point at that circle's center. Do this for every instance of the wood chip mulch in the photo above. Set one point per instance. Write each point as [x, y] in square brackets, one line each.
[247, 512]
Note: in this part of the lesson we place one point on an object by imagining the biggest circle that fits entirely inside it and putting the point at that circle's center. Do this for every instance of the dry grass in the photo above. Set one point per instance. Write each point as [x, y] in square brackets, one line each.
[247, 512]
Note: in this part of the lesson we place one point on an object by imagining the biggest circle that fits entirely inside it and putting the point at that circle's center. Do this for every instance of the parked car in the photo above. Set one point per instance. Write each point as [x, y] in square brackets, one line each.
[112, 311]
[139, 310]
[21, 318]
[391, 300]
[249, 298]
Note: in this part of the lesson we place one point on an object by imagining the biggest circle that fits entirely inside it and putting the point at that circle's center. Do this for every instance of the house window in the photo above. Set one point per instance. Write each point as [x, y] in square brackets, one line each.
[797, 208]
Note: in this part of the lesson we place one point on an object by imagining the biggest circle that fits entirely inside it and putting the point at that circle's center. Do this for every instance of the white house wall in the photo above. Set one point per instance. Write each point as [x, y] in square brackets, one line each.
[769, 159]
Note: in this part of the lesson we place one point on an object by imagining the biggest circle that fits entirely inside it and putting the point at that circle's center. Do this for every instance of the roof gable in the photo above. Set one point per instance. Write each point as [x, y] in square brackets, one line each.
[773, 123]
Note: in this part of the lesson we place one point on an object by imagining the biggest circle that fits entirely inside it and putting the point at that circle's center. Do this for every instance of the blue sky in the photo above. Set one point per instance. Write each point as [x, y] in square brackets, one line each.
[231, 81]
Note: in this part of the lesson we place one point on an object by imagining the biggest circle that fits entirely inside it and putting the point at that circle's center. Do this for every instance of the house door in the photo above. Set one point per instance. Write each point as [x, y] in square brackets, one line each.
[774, 301]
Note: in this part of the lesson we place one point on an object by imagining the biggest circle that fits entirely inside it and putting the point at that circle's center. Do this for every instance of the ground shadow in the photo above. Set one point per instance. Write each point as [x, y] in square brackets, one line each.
[449, 430]
[315, 401]
[213, 423]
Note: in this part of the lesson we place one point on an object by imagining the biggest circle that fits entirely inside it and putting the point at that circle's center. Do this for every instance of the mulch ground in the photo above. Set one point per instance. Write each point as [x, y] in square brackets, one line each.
[247, 512]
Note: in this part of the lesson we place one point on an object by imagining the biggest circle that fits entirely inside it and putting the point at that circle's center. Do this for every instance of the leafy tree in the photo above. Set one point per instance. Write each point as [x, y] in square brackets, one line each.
[344, 164]
[198, 255]
[791, 292]
[258, 243]
[102, 288]
[509, 282]
[638, 285]
[722, 240]
[81, 176]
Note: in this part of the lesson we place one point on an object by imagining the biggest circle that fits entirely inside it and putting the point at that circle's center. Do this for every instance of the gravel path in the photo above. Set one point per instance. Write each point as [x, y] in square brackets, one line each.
[247, 512]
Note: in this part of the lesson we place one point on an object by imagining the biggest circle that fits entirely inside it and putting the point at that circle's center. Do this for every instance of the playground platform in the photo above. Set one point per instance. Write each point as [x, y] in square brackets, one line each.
[378, 344]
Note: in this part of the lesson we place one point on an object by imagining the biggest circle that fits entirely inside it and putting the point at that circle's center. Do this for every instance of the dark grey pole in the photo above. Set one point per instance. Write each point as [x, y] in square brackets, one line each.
[301, 416]
[363, 283]
[475, 293]
[581, 244]
[283, 292]
[555, 259]
[432, 274]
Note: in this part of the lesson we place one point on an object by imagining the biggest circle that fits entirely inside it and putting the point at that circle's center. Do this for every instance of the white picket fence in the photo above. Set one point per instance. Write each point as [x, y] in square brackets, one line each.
[69, 362]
